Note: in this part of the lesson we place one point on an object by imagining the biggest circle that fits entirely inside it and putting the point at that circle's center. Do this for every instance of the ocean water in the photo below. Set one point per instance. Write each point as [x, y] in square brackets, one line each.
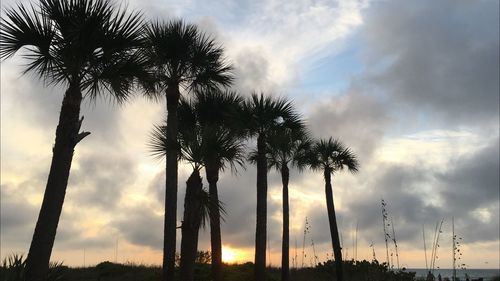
[487, 274]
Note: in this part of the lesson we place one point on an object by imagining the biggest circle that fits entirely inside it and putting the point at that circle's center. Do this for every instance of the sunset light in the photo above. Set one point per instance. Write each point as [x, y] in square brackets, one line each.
[230, 255]
[250, 140]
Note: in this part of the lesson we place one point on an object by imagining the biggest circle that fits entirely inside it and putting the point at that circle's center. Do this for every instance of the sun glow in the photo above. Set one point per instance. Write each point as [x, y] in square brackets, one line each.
[230, 255]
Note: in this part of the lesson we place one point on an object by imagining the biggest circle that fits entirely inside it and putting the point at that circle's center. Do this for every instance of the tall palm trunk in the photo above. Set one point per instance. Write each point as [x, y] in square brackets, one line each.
[285, 246]
[191, 225]
[172, 95]
[334, 232]
[67, 136]
[260, 232]
[212, 172]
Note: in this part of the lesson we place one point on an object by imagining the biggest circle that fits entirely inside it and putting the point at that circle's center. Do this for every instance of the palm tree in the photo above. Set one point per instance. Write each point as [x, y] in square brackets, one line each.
[89, 47]
[217, 113]
[262, 115]
[194, 214]
[287, 147]
[181, 57]
[199, 141]
[332, 156]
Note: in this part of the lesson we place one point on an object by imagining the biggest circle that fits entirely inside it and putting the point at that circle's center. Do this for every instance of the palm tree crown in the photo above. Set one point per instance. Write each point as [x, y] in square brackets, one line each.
[83, 43]
[181, 55]
[331, 155]
[206, 131]
[288, 147]
[191, 148]
[263, 114]
[217, 113]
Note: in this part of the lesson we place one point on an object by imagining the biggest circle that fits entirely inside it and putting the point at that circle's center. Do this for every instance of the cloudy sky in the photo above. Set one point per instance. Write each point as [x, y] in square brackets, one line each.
[411, 86]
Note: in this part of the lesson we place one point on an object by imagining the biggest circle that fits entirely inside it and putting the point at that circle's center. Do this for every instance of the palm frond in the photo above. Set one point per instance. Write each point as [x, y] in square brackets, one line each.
[287, 145]
[349, 160]
[88, 43]
[302, 156]
[208, 68]
[206, 207]
[27, 27]
[158, 141]
[265, 112]
[216, 107]
[189, 133]
[252, 156]
[223, 147]
[331, 154]
[115, 78]
[183, 56]
[24, 27]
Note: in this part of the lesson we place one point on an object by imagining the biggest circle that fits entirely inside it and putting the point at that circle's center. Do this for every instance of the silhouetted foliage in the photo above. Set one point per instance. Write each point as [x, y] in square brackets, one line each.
[13, 268]
[367, 271]
[180, 56]
[287, 147]
[88, 46]
[332, 156]
[262, 115]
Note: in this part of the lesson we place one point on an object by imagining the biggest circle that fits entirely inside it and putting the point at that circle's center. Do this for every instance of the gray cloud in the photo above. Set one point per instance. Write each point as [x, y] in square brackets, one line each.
[473, 185]
[252, 71]
[401, 187]
[72, 236]
[358, 120]
[100, 179]
[468, 188]
[16, 217]
[141, 226]
[440, 58]
[474, 179]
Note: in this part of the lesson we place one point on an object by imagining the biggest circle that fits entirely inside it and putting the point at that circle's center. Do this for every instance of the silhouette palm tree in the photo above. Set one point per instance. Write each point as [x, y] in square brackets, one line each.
[218, 115]
[287, 147]
[332, 156]
[181, 57]
[89, 47]
[262, 115]
[205, 136]
[196, 198]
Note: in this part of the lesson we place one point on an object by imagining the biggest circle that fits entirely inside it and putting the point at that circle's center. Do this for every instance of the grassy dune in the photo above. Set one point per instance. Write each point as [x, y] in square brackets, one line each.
[108, 271]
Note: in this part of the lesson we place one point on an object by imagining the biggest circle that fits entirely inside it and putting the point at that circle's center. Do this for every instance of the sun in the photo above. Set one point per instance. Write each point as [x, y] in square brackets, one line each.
[229, 255]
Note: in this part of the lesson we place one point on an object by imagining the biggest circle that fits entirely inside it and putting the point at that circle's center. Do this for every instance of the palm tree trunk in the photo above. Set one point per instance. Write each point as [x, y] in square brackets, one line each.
[285, 246]
[67, 136]
[334, 232]
[260, 232]
[212, 172]
[172, 95]
[190, 226]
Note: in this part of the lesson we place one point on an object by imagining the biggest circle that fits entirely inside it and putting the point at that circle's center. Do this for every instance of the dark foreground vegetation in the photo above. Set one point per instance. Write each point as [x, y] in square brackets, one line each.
[108, 271]
[13, 267]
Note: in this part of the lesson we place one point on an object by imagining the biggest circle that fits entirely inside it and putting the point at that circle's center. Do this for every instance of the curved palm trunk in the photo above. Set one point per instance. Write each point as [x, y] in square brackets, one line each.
[334, 232]
[67, 136]
[191, 225]
[285, 246]
[172, 95]
[215, 233]
[260, 232]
